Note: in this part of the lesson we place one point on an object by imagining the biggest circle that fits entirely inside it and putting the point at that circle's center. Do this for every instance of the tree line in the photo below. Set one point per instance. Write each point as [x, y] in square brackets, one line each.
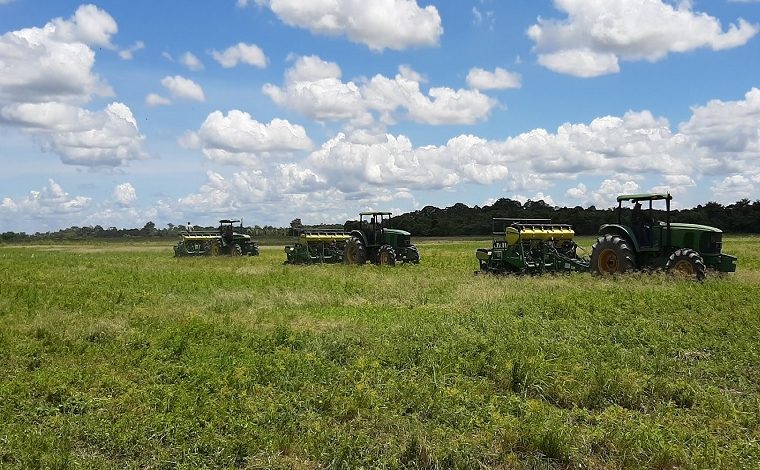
[457, 220]
[148, 231]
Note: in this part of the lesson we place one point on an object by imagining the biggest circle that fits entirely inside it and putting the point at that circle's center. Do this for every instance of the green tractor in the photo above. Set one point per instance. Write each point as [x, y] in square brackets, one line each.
[370, 240]
[647, 243]
[225, 241]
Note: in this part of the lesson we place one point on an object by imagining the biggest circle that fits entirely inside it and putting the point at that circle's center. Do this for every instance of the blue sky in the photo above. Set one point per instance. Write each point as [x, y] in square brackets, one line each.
[116, 113]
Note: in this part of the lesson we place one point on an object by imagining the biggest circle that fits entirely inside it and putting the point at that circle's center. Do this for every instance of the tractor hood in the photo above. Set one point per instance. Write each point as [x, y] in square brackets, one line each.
[397, 231]
[693, 227]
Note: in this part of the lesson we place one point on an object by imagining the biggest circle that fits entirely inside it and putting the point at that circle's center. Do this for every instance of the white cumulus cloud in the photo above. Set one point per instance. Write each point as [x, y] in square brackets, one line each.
[499, 79]
[79, 136]
[55, 62]
[50, 200]
[183, 88]
[237, 138]
[241, 53]
[189, 60]
[46, 73]
[124, 194]
[154, 99]
[380, 24]
[129, 53]
[596, 35]
[314, 87]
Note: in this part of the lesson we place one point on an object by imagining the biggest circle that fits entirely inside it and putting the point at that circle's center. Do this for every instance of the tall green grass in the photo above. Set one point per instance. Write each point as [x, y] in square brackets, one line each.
[116, 356]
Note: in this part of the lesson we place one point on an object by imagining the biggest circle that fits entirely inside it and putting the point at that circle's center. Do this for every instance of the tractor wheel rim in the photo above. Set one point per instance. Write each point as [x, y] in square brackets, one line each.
[384, 258]
[608, 261]
[684, 267]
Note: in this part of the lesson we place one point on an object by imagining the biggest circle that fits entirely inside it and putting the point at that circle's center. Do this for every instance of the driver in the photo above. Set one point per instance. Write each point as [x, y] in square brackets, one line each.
[642, 225]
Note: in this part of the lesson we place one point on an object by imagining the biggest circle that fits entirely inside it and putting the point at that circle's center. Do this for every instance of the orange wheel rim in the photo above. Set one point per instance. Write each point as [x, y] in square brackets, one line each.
[608, 261]
[684, 267]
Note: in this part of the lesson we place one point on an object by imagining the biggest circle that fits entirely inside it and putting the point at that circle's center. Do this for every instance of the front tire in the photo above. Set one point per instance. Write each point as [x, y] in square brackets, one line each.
[688, 263]
[611, 255]
[386, 256]
[236, 250]
[180, 250]
[355, 251]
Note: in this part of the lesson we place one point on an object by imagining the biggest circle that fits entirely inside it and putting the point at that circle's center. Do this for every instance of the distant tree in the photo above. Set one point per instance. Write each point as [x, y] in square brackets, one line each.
[148, 230]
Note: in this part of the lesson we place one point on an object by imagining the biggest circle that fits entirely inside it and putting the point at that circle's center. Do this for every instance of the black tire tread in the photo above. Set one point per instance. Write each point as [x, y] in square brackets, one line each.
[361, 251]
[700, 270]
[618, 244]
[387, 249]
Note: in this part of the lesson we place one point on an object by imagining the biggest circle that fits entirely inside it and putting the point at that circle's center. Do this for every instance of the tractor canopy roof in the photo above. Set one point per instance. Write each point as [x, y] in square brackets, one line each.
[645, 197]
[375, 213]
[228, 221]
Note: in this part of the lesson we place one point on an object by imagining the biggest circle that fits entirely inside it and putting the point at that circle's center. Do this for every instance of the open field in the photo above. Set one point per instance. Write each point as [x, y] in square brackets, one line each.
[119, 356]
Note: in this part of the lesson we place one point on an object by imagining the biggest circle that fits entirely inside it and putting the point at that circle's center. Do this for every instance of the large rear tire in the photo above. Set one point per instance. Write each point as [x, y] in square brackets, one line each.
[386, 256]
[688, 263]
[355, 251]
[611, 255]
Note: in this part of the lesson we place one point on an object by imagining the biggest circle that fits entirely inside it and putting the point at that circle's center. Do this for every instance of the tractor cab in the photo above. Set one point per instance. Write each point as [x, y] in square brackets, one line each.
[649, 233]
[227, 231]
[372, 225]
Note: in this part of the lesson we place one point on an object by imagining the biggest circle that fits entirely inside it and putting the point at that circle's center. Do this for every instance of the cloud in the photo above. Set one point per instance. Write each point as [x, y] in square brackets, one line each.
[539, 196]
[395, 162]
[49, 201]
[735, 187]
[89, 25]
[727, 133]
[183, 88]
[79, 136]
[54, 63]
[381, 24]
[582, 62]
[486, 18]
[578, 192]
[314, 87]
[129, 53]
[153, 100]
[46, 73]
[124, 194]
[263, 196]
[499, 79]
[189, 60]
[237, 138]
[636, 143]
[596, 35]
[241, 53]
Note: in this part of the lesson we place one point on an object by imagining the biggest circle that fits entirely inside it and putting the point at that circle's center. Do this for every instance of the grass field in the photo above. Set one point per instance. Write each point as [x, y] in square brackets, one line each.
[121, 356]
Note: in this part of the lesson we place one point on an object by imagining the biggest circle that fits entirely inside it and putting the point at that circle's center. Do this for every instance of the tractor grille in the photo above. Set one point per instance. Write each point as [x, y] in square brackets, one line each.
[711, 243]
